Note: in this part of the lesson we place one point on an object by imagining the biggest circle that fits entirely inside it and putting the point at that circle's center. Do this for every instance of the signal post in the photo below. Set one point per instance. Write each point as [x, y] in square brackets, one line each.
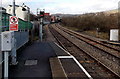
[40, 16]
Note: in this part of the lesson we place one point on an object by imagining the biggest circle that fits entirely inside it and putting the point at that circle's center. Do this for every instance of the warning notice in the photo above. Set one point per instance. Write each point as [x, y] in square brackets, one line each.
[13, 23]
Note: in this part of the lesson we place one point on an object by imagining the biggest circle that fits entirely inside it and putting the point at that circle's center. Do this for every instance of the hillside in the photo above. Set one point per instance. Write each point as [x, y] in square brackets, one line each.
[111, 11]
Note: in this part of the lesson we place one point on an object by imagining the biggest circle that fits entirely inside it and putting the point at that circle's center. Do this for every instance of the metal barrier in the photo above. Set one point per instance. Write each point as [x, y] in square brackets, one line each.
[21, 38]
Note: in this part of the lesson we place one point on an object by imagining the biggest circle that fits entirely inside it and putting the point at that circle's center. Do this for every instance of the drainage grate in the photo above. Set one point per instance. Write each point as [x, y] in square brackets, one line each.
[30, 62]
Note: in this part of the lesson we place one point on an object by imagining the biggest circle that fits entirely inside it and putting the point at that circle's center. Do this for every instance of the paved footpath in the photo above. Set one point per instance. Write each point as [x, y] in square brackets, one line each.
[39, 66]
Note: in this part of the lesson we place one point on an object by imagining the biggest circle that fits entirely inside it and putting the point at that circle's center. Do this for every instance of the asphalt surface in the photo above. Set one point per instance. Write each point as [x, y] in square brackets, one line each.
[58, 50]
[37, 51]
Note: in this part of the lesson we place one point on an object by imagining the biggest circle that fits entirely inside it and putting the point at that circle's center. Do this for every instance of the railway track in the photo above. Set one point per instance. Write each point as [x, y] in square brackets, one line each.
[113, 46]
[112, 49]
[73, 46]
[111, 53]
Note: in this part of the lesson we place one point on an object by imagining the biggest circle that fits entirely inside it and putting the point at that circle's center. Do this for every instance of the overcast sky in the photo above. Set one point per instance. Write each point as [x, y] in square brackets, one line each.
[67, 6]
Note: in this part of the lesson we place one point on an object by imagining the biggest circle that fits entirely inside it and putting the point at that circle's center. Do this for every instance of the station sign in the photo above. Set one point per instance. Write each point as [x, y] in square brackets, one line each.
[13, 23]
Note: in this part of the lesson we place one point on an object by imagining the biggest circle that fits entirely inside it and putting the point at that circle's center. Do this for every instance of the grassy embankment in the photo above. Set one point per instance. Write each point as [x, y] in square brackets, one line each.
[93, 33]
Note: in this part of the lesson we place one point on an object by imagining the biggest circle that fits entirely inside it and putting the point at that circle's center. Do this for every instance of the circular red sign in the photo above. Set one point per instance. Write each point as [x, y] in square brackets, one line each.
[13, 19]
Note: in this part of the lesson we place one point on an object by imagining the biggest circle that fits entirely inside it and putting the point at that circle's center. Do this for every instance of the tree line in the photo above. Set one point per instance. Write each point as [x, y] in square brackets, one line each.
[92, 21]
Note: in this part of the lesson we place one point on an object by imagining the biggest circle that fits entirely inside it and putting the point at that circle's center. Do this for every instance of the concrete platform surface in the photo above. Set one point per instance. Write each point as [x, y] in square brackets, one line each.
[37, 51]
[58, 50]
[57, 69]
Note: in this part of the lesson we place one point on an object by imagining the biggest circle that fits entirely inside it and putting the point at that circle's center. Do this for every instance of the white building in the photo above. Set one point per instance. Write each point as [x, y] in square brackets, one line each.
[20, 11]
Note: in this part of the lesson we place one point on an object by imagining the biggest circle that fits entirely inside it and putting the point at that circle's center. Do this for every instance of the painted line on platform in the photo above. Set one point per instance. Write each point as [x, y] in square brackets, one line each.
[62, 68]
[84, 70]
[65, 57]
[71, 56]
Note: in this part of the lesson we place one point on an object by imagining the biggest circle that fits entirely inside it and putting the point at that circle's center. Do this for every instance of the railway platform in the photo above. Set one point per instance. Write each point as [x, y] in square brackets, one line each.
[39, 60]
[33, 62]
[45, 60]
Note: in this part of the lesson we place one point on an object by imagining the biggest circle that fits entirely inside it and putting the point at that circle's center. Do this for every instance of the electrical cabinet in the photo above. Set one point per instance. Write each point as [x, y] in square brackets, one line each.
[7, 40]
[114, 35]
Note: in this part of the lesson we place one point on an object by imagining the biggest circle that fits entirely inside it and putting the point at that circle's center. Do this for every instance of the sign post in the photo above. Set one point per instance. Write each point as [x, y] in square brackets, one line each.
[41, 25]
[13, 23]
[13, 27]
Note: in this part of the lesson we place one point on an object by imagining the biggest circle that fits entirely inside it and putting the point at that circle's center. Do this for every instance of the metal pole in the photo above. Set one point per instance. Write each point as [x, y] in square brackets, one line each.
[1, 54]
[13, 7]
[37, 11]
[14, 54]
[41, 22]
[28, 17]
[13, 51]
[6, 55]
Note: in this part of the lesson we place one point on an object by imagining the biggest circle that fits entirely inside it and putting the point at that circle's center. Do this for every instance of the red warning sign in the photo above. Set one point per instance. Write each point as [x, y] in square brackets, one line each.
[13, 23]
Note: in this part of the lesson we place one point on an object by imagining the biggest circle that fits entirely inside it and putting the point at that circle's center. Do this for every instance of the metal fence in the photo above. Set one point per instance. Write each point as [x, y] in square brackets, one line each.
[21, 38]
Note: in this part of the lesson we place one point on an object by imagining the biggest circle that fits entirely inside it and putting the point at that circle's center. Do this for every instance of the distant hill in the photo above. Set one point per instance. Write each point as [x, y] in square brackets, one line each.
[66, 15]
[73, 15]
[111, 11]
